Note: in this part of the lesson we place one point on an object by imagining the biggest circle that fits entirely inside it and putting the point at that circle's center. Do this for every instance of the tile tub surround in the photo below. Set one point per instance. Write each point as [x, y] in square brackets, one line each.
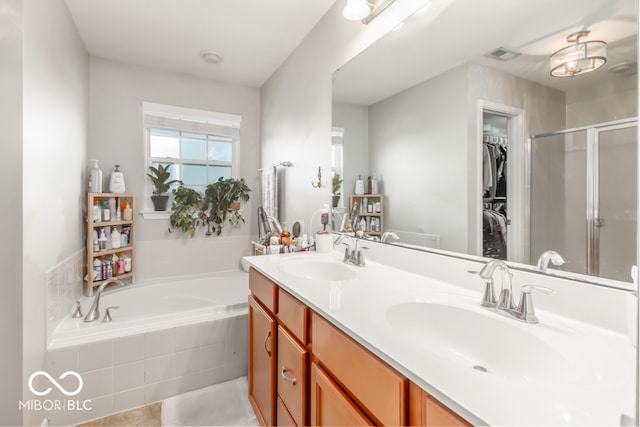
[130, 372]
[64, 286]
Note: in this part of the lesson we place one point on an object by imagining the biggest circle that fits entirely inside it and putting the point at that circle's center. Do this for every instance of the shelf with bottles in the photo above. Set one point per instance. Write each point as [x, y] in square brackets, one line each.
[367, 213]
[110, 241]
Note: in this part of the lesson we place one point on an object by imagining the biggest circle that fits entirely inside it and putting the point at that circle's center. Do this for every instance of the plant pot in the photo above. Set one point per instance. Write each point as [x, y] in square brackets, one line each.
[160, 202]
[335, 200]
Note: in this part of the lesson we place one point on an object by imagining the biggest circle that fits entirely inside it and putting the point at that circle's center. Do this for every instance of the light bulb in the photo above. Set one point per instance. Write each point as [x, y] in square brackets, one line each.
[356, 10]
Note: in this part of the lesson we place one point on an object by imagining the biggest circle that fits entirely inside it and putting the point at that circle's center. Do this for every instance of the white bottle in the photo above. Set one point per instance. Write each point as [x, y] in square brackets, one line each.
[116, 183]
[102, 240]
[116, 241]
[95, 178]
[127, 263]
[374, 185]
[359, 186]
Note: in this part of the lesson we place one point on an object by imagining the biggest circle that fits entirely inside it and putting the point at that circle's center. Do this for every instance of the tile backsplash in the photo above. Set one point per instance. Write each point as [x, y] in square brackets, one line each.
[64, 287]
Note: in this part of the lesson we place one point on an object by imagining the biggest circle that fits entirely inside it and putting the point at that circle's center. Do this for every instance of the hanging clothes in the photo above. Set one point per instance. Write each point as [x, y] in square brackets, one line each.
[494, 233]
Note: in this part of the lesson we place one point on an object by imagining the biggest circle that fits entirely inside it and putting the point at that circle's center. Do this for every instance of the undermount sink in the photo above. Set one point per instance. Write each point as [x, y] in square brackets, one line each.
[479, 340]
[318, 270]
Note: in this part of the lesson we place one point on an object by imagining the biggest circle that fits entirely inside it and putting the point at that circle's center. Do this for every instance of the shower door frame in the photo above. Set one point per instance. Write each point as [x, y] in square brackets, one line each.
[593, 222]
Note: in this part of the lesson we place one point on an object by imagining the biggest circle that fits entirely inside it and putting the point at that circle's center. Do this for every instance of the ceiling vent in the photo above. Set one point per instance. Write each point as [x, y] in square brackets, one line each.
[502, 54]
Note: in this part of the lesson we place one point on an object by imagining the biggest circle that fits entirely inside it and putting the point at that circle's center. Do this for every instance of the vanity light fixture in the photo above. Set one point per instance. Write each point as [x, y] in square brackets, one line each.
[365, 10]
[580, 57]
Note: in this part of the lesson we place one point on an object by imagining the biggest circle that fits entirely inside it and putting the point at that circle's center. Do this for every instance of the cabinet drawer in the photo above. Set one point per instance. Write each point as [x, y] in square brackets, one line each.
[292, 376]
[263, 289]
[382, 392]
[294, 315]
[330, 406]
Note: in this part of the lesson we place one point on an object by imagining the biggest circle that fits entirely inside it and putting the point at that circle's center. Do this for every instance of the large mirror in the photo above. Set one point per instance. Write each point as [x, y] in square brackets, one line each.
[476, 149]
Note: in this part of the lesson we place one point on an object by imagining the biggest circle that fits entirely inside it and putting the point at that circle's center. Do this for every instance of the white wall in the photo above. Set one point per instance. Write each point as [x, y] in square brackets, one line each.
[355, 144]
[11, 42]
[55, 123]
[117, 137]
[296, 105]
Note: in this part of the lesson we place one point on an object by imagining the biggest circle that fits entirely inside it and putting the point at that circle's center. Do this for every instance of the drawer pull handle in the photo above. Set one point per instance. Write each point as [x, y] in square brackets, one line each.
[265, 343]
[291, 380]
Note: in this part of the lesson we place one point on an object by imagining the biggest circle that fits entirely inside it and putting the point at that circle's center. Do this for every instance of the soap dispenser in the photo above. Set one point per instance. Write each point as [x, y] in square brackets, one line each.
[359, 185]
[116, 183]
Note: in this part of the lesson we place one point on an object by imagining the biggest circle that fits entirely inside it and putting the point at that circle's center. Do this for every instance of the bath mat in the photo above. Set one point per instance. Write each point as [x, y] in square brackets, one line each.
[224, 404]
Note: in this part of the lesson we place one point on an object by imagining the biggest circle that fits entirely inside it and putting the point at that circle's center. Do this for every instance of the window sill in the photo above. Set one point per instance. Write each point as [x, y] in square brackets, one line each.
[155, 215]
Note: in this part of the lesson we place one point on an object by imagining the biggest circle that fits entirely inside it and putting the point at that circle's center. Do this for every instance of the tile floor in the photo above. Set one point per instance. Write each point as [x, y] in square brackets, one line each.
[222, 404]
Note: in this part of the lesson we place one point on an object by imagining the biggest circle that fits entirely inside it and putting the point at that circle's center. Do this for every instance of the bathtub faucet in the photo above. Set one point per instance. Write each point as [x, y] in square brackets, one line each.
[94, 311]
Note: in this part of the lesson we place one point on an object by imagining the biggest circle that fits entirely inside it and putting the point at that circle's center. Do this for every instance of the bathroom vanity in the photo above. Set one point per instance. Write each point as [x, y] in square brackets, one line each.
[336, 344]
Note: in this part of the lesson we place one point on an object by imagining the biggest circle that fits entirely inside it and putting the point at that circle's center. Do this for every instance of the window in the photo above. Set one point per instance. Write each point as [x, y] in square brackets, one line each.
[198, 146]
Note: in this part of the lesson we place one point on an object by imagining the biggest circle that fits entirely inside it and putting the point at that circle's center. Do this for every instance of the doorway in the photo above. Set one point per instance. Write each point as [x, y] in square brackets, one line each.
[583, 197]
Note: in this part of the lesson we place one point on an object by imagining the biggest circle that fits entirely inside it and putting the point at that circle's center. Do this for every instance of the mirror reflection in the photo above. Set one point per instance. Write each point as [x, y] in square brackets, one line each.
[477, 149]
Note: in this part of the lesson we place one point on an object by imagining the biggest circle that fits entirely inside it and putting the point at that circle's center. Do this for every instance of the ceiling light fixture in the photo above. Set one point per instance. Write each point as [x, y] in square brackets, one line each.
[365, 10]
[356, 10]
[210, 56]
[579, 58]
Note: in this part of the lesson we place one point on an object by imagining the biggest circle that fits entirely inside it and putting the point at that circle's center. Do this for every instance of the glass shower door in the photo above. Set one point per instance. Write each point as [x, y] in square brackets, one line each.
[583, 198]
[615, 206]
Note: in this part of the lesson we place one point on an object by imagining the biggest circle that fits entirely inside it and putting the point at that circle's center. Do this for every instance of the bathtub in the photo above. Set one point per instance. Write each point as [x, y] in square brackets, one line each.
[157, 305]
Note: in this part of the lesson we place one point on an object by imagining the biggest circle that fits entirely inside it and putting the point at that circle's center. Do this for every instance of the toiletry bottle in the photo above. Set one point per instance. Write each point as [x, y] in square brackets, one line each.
[118, 211]
[374, 185]
[116, 183]
[97, 211]
[369, 186]
[97, 269]
[114, 264]
[127, 212]
[127, 263]
[112, 208]
[102, 240]
[359, 186]
[106, 213]
[121, 264]
[285, 237]
[95, 178]
[96, 243]
[116, 242]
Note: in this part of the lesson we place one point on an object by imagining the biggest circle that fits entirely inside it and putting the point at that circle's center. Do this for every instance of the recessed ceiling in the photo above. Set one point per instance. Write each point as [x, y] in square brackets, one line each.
[253, 36]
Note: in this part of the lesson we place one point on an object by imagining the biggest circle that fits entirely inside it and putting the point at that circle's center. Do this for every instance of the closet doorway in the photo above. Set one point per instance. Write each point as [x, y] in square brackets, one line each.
[501, 155]
[583, 199]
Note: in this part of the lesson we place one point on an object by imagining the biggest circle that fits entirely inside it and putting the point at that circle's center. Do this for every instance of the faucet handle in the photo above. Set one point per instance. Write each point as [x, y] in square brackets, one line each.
[78, 311]
[489, 297]
[107, 315]
[525, 310]
[360, 256]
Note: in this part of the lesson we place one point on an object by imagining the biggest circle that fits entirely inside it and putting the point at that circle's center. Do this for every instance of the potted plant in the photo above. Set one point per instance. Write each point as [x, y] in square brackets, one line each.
[218, 204]
[336, 182]
[159, 177]
[222, 199]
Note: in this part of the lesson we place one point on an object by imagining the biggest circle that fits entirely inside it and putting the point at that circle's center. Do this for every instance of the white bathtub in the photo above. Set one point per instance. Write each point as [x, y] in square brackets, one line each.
[146, 307]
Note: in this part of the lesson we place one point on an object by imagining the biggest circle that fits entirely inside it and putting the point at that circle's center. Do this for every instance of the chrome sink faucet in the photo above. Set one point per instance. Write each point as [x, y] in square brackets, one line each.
[352, 256]
[524, 311]
[546, 256]
[94, 311]
[505, 299]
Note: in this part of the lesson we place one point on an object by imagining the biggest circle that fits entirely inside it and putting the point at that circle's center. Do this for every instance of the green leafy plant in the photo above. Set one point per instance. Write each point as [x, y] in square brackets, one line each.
[220, 198]
[159, 177]
[336, 181]
[218, 205]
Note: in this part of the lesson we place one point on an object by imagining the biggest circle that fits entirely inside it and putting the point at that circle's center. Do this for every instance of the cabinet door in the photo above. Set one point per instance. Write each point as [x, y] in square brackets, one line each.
[330, 406]
[262, 359]
[427, 411]
[292, 376]
[283, 416]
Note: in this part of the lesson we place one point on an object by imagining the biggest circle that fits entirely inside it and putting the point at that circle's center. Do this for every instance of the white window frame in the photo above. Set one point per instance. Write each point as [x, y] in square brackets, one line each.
[161, 116]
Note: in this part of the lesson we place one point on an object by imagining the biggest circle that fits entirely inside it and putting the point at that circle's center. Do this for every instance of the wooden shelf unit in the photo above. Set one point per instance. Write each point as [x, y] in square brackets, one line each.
[91, 255]
[375, 219]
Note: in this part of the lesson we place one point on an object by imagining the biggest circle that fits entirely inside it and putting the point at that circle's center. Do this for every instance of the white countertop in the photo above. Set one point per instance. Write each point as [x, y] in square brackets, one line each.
[591, 384]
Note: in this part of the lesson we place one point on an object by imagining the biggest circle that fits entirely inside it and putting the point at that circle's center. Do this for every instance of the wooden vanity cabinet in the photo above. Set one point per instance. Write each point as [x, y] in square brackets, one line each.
[425, 410]
[305, 371]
